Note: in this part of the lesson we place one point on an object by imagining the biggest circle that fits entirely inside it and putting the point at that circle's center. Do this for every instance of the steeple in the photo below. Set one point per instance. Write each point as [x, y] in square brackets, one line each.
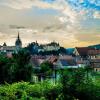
[18, 42]
[18, 35]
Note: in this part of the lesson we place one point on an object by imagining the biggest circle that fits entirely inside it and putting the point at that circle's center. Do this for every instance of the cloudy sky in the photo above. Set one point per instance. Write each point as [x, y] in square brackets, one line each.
[69, 22]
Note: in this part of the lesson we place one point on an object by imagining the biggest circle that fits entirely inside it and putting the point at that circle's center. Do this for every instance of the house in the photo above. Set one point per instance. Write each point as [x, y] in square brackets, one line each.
[94, 54]
[94, 59]
[66, 63]
[88, 57]
[95, 64]
[82, 52]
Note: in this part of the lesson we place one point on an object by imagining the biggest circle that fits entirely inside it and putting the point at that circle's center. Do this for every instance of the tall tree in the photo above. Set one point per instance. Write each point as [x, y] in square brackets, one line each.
[22, 64]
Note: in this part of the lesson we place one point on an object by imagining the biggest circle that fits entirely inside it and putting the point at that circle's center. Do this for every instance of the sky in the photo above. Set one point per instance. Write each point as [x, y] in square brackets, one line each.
[70, 22]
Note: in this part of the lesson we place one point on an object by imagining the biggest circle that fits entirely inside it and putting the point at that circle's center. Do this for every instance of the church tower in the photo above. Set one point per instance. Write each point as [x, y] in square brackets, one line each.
[18, 42]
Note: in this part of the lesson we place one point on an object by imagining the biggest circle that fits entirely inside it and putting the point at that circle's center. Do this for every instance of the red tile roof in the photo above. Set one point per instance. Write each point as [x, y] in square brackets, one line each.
[52, 59]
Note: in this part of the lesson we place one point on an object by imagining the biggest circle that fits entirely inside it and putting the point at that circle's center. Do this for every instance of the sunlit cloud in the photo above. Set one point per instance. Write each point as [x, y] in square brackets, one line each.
[69, 22]
[96, 15]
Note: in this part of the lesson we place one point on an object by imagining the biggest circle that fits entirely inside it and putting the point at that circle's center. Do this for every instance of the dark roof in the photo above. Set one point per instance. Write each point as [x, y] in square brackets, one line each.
[37, 60]
[83, 51]
[64, 62]
[67, 62]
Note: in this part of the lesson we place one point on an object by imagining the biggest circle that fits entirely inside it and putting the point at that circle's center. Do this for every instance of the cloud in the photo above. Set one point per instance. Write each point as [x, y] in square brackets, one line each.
[25, 4]
[64, 6]
[62, 21]
[96, 15]
[16, 27]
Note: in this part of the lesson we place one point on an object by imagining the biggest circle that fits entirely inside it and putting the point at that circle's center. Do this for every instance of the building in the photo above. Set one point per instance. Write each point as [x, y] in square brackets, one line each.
[51, 46]
[18, 43]
[94, 54]
[94, 59]
[65, 62]
[82, 52]
[35, 48]
[88, 57]
[11, 49]
[95, 64]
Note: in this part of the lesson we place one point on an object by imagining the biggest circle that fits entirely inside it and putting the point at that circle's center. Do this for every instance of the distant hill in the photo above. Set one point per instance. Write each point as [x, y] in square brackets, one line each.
[97, 46]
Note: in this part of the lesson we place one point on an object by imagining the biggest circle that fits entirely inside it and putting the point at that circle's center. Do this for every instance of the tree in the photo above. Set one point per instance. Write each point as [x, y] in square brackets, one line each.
[45, 69]
[15, 69]
[22, 64]
[66, 78]
[6, 69]
[75, 85]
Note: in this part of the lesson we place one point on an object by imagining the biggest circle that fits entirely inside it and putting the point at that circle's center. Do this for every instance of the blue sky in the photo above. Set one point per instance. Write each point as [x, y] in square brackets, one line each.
[69, 22]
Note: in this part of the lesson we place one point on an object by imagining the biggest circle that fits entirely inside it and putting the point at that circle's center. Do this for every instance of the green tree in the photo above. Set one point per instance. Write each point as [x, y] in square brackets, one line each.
[45, 69]
[76, 85]
[22, 65]
[66, 79]
[6, 70]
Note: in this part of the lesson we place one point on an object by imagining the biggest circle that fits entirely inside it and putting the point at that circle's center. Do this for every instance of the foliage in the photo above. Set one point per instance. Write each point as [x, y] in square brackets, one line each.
[76, 85]
[27, 91]
[15, 69]
[23, 68]
[6, 69]
[44, 71]
[46, 68]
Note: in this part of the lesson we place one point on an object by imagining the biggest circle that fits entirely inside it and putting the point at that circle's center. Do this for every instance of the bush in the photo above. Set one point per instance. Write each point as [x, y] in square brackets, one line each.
[27, 91]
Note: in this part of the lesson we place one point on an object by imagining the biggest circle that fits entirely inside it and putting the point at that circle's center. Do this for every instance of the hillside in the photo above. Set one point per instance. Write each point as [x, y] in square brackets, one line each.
[97, 46]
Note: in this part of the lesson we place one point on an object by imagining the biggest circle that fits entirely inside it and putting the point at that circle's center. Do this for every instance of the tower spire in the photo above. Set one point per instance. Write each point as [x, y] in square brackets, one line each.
[18, 42]
[18, 34]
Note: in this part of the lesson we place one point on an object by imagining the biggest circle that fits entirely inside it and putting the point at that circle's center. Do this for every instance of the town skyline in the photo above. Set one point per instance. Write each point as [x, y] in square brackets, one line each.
[72, 23]
[35, 41]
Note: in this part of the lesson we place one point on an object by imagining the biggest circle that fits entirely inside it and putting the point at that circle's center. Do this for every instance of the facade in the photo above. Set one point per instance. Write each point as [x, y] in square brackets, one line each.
[88, 57]
[94, 58]
[95, 64]
[94, 54]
